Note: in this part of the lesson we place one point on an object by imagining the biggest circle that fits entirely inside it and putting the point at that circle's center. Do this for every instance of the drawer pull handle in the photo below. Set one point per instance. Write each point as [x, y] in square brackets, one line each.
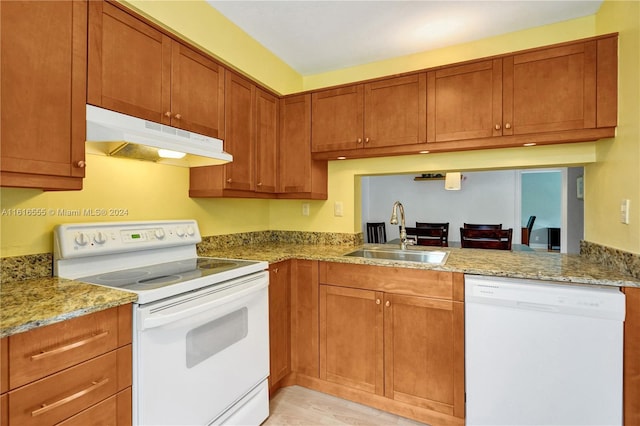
[48, 407]
[70, 346]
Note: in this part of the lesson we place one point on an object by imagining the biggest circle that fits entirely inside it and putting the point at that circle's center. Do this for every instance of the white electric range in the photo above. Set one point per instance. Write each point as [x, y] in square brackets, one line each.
[200, 325]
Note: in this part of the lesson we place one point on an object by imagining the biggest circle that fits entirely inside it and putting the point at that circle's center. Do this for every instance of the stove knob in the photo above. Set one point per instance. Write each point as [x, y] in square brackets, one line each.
[81, 239]
[190, 231]
[180, 232]
[100, 238]
[159, 233]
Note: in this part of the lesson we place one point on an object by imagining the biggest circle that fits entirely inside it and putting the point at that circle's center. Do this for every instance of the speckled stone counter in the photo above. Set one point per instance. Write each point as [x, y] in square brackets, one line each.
[535, 265]
[33, 303]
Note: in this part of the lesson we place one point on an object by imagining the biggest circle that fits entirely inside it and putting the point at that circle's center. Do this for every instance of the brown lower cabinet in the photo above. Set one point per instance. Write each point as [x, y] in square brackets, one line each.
[279, 323]
[76, 372]
[391, 338]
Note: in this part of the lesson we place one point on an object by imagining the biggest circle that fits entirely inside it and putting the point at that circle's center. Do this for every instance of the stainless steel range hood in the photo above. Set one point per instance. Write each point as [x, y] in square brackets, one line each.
[115, 134]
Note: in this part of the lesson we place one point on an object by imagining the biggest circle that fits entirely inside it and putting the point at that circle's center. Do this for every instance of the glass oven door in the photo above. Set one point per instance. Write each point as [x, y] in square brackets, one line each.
[196, 355]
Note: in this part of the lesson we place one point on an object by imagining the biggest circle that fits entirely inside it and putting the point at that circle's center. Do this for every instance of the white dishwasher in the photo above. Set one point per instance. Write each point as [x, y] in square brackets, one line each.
[542, 353]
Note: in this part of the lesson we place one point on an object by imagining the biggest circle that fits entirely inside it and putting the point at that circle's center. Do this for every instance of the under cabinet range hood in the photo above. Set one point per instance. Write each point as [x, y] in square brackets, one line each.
[119, 135]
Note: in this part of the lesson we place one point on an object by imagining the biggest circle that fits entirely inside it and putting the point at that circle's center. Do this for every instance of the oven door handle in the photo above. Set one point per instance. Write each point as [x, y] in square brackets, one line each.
[158, 320]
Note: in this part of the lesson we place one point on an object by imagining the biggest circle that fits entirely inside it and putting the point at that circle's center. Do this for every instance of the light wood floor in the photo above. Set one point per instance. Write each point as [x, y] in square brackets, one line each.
[295, 405]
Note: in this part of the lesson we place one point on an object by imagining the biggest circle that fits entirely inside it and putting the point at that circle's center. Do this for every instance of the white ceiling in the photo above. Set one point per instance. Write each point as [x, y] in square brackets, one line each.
[320, 36]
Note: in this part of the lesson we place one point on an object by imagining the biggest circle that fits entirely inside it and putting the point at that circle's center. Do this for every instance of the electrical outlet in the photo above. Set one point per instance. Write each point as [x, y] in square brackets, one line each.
[624, 211]
[305, 209]
[338, 209]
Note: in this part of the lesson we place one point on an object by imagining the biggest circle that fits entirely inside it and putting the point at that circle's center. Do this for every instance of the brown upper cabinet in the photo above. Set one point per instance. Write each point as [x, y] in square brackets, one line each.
[43, 77]
[383, 113]
[138, 70]
[251, 123]
[299, 175]
[547, 90]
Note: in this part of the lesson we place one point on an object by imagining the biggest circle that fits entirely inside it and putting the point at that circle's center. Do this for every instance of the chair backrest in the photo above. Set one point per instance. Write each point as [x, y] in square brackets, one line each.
[444, 226]
[482, 226]
[429, 236]
[376, 232]
[530, 223]
[498, 239]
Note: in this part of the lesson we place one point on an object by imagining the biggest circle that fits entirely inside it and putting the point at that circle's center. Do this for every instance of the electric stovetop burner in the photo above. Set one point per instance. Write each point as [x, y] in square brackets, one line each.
[164, 274]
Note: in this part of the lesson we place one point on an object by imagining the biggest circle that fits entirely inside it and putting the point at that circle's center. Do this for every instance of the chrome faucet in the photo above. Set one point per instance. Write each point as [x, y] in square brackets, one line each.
[394, 221]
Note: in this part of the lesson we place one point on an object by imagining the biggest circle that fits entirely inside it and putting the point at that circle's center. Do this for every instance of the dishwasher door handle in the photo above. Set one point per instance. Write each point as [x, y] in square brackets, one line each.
[537, 306]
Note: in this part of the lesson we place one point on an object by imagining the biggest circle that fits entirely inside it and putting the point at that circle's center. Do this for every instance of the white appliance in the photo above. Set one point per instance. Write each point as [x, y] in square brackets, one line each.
[541, 353]
[200, 325]
[116, 134]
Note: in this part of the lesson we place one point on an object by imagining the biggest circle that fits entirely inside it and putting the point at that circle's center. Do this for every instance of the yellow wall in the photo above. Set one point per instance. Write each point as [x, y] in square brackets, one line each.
[616, 175]
[152, 191]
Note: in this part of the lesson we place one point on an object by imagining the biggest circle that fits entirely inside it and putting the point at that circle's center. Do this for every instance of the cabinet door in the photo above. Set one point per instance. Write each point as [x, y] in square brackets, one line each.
[424, 352]
[550, 90]
[197, 92]
[351, 338]
[43, 77]
[337, 119]
[266, 114]
[299, 175]
[465, 102]
[395, 111]
[239, 133]
[304, 318]
[279, 322]
[129, 64]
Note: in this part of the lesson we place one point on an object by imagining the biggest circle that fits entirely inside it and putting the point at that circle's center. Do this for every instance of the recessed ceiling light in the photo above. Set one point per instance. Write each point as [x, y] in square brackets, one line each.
[529, 144]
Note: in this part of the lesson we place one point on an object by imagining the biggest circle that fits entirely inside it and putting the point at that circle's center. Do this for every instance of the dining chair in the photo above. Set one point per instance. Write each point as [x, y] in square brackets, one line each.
[482, 226]
[442, 225]
[497, 239]
[429, 236]
[526, 234]
[376, 232]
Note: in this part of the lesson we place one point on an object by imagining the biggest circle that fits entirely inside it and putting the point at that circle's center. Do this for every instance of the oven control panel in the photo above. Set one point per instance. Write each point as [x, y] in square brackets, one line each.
[91, 239]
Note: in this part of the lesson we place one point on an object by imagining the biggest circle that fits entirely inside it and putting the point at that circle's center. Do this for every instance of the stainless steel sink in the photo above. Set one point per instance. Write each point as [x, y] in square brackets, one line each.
[435, 257]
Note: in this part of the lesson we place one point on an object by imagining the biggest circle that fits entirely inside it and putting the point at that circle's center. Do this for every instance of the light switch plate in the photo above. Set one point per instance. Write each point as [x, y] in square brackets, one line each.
[305, 209]
[338, 209]
[624, 211]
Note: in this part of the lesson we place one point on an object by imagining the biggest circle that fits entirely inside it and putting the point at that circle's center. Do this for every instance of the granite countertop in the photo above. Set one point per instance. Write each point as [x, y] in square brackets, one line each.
[33, 303]
[564, 268]
[37, 302]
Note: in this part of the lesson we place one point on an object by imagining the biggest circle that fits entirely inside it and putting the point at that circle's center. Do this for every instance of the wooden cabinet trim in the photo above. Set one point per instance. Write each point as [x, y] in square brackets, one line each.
[416, 282]
[631, 379]
[607, 82]
[4, 364]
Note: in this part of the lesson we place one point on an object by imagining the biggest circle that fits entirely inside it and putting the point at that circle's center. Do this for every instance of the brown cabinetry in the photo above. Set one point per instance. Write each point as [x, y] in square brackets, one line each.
[136, 69]
[73, 371]
[397, 333]
[44, 64]
[549, 91]
[304, 318]
[299, 175]
[251, 123]
[384, 113]
[279, 322]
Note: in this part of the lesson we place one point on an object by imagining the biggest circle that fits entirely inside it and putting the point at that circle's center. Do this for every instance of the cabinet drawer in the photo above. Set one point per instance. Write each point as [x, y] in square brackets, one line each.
[416, 282]
[115, 410]
[46, 350]
[60, 396]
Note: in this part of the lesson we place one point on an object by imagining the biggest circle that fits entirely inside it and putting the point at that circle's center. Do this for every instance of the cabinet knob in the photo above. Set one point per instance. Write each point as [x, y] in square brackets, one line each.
[177, 116]
[497, 127]
[275, 270]
[377, 301]
[259, 184]
[81, 164]
[366, 140]
[359, 140]
[387, 303]
[507, 126]
[167, 114]
[229, 180]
